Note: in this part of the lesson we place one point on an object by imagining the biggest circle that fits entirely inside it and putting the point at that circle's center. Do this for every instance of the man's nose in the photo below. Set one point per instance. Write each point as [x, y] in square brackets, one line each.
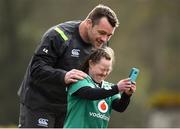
[104, 38]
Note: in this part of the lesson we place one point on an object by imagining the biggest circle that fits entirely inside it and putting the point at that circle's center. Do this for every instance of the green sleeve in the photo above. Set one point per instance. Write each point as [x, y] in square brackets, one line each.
[116, 96]
[79, 84]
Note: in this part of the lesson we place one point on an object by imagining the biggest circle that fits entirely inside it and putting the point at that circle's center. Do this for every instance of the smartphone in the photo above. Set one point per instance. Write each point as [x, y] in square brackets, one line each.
[134, 74]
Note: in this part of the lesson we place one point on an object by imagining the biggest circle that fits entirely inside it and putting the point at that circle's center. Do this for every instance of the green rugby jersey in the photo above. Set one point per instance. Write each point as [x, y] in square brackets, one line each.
[83, 113]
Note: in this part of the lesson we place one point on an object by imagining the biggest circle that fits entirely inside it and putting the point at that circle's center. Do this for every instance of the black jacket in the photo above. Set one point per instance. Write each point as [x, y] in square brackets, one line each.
[43, 86]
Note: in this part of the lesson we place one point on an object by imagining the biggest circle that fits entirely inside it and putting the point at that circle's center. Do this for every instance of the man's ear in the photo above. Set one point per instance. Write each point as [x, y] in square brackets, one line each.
[89, 23]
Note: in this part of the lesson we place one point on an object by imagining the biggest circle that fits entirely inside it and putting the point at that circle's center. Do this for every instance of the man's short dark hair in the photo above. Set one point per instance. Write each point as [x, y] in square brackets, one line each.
[101, 11]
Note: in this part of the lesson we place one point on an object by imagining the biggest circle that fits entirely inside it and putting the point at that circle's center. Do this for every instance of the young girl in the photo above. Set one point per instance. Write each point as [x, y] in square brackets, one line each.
[91, 100]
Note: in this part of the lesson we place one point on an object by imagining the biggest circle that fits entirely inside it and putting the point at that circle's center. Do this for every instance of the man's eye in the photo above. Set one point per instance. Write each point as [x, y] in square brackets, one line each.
[102, 33]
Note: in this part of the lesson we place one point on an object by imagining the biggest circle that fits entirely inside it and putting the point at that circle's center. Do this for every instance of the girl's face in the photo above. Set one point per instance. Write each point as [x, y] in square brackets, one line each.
[99, 71]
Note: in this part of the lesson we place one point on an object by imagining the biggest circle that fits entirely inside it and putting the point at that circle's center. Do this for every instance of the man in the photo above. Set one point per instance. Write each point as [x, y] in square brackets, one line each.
[55, 64]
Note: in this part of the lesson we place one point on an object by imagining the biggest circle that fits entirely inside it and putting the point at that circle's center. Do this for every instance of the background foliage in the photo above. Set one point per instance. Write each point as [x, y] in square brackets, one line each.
[147, 38]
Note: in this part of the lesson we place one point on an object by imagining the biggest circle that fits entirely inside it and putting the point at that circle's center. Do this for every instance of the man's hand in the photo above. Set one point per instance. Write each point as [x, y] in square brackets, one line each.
[73, 76]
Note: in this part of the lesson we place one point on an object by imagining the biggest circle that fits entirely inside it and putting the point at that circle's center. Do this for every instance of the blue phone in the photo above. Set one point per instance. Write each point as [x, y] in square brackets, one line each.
[134, 74]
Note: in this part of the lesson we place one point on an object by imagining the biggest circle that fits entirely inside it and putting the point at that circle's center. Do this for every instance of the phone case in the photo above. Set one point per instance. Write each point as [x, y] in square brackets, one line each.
[134, 74]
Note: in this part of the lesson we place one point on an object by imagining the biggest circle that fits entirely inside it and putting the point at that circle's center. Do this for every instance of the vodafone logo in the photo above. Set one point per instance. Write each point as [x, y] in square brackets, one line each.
[102, 106]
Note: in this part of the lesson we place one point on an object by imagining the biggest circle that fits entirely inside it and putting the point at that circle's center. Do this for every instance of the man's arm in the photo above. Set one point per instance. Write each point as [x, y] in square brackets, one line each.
[43, 66]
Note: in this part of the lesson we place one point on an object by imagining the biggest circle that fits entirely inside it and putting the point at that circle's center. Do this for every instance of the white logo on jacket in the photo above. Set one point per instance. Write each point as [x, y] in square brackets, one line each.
[43, 122]
[75, 52]
[45, 50]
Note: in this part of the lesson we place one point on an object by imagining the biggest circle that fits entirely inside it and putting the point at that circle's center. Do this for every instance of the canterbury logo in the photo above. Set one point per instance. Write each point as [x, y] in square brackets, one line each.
[43, 122]
[75, 52]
